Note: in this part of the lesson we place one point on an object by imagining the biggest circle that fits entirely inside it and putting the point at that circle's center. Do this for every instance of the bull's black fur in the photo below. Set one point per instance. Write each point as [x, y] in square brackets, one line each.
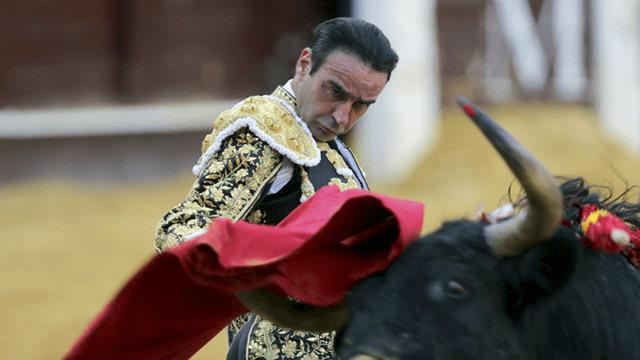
[448, 297]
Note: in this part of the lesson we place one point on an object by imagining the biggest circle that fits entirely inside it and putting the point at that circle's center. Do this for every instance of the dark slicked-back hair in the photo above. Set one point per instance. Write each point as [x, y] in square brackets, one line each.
[355, 37]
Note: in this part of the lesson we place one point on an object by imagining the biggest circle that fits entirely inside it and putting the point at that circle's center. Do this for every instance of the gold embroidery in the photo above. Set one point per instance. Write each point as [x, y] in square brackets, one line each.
[306, 185]
[338, 163]
[341, 167]
[333, 156]
[350, 184]
[236, 324]
[256, 216]
[228, 186]
[281, 93]
[269, 342]
[274, 120]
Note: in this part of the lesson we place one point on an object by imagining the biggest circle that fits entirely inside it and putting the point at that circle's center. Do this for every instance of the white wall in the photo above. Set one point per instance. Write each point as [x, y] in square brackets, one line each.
[616, 66]
[402, 126]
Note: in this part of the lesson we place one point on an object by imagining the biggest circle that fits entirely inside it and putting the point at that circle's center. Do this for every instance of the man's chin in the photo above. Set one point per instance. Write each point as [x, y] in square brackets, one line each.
[325, 137]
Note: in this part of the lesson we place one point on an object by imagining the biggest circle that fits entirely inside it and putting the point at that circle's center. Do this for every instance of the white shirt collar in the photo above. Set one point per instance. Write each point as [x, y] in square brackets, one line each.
[289, 89]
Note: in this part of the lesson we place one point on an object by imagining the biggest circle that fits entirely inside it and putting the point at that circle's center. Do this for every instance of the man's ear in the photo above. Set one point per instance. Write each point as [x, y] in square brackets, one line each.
[303, 66]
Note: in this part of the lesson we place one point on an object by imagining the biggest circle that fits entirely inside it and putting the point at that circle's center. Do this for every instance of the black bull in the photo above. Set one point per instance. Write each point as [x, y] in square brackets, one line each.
[448, 297]
[522, 288]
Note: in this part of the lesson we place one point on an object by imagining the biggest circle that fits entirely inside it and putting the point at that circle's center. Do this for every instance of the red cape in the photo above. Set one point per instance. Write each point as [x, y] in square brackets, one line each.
[180, 299]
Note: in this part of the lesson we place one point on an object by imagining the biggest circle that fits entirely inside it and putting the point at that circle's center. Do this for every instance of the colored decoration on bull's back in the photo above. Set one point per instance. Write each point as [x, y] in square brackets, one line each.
[601, 228]
[604, 230]
[494, 216]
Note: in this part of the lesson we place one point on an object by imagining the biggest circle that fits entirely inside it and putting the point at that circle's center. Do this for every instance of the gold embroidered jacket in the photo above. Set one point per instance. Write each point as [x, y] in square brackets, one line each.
[240, 160]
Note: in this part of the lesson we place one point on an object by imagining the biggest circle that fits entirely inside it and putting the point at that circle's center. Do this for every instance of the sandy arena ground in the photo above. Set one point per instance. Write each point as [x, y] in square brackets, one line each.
[67, 246]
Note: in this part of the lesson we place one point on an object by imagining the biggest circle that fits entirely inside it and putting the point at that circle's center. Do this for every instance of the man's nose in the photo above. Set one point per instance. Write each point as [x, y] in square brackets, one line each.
[341, 113]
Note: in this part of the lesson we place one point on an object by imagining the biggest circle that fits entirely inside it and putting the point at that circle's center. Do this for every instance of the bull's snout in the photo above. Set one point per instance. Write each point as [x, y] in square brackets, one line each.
[370, 357]
[382, 349]
[364, 357]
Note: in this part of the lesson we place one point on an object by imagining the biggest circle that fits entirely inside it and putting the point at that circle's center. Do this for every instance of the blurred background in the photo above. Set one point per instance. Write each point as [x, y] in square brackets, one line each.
[104, 105]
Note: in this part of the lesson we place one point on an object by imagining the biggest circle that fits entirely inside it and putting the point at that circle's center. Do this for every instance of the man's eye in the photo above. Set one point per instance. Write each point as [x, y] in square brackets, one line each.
[360, 105]
[335, 92]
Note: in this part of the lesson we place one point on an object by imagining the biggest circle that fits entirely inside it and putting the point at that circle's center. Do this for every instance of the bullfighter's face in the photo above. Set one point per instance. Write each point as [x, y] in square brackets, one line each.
[337, 94]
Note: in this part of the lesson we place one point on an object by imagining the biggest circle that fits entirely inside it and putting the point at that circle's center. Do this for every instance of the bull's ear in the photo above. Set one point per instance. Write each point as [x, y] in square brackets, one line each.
[540, 272]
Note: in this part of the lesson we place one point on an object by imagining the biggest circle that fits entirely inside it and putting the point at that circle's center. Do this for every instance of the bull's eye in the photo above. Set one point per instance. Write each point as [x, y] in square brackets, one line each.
[448, 289]
[456, 289]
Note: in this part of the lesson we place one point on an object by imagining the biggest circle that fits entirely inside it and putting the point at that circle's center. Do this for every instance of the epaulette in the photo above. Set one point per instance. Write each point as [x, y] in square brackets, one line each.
[273, 121]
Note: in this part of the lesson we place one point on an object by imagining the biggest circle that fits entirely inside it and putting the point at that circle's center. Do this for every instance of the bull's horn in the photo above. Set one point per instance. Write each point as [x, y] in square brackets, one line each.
[544, 212]
[294, 315]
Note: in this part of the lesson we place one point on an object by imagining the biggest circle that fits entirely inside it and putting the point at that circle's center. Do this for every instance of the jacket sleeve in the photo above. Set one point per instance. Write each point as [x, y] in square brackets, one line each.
[228, 186]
